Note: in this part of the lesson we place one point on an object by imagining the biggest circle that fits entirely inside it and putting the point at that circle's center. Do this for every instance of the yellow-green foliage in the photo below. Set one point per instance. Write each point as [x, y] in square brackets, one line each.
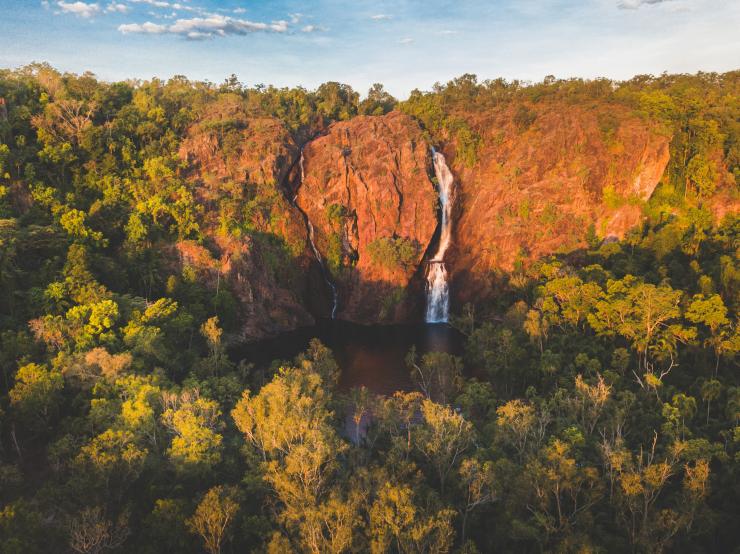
[395, 253]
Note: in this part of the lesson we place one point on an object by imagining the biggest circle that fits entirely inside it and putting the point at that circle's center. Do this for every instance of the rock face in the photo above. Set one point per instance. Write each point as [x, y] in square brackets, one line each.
[366, 188]
[238, 166]
[541, 181]
[538, 185]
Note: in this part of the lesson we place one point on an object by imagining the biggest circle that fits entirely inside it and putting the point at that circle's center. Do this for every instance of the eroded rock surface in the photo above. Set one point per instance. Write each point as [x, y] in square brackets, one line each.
[256, 239]
[366, 188]
[537, 187]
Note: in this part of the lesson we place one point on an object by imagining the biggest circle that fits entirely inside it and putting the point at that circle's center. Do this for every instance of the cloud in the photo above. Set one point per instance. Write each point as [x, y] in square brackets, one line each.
[115, 7]
[80, 9]
[199, 28]
[406, 40]
[163, 4]
[381, 17]
[145, 28]
[240, 10]
[635, 4]
[155, 3]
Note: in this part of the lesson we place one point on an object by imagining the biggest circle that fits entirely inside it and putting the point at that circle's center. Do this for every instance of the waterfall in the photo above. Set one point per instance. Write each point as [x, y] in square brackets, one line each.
[316, 253]
[438, 290]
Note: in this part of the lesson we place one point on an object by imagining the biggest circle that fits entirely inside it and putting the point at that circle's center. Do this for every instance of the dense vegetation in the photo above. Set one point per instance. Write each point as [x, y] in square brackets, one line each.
[596, 406]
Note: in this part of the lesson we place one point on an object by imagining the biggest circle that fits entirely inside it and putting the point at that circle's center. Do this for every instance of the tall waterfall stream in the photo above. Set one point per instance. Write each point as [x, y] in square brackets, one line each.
[438, 289]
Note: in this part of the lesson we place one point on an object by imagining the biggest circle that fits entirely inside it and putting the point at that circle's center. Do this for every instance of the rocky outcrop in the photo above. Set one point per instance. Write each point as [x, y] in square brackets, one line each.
[256, 245]
[541, 181]
[366, 188]
[538, 184]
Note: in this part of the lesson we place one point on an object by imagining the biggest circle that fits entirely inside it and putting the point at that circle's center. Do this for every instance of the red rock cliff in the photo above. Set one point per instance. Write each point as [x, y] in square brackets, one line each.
[256, 243]
[366, 189]
[540, 181]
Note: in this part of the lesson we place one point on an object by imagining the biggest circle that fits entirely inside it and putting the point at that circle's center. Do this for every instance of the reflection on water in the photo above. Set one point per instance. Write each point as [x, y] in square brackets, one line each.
[370, 356]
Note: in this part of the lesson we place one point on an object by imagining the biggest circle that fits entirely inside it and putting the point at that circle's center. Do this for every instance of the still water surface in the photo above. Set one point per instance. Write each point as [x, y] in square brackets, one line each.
[371, 356]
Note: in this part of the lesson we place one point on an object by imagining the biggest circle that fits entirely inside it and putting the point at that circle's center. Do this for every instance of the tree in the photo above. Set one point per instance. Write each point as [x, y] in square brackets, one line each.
[438, 375]
[477, 480]
[319, 359]
[711, 312]
[288, 423]
[361, 402]
[590, 400]
[568, 300]
[212, 333]
[398, 523]
[701, 173]
[377, 102]
[517, 423]
[283, 413]
[194, 422]
[115, 459]
[214, 515]
[564, 488]
[397, 415]
[710, 390]
[91, 533]
[36, 394]
[443, 438]
[646, 315]
[336, 101]
[642, 480]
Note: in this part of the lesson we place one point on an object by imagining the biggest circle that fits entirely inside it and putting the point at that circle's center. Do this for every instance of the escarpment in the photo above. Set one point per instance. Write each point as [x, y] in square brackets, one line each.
[255, 243]
[544, 177]
[365, 187]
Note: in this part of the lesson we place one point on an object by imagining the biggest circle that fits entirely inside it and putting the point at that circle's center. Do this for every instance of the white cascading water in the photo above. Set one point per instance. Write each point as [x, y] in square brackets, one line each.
[316, 253]
[438, 290]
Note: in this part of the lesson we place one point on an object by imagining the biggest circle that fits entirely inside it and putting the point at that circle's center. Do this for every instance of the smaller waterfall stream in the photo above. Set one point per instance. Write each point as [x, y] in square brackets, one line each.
[316, 253]
[438, 290]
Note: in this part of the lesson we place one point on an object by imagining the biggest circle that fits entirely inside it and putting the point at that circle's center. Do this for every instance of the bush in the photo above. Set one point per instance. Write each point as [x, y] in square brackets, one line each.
[524, 117]
[394, 252]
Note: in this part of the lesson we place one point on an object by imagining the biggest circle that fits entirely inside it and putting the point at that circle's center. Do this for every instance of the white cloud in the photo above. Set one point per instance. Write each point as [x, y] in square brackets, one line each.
[634, 4]
[116, 7]
[240, 10]
[146, 28]
[381, 17]
[80, 9]
[163, 4]
[155, 3]
[406, 40]
[199, 28]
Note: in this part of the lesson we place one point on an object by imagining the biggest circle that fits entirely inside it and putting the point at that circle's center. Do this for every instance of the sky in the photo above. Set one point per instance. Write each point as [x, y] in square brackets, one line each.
[404, 44]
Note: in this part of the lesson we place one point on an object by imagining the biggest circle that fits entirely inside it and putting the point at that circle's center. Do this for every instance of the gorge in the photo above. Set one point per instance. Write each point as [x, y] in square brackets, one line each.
[368, 212]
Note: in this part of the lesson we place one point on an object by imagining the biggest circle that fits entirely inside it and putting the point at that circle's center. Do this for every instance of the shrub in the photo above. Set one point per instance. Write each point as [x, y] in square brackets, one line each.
[394, 252]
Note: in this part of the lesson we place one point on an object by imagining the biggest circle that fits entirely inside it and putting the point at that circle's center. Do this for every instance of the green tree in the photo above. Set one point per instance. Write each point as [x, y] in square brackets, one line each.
[443, 439]
[213, 517]
[36, 395]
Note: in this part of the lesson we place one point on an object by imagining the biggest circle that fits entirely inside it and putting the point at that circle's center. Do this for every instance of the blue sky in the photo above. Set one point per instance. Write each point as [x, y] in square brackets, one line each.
[404, 44]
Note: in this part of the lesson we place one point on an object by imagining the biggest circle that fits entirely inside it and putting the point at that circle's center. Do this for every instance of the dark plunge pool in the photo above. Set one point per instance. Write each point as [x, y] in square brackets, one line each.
[372, 356]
